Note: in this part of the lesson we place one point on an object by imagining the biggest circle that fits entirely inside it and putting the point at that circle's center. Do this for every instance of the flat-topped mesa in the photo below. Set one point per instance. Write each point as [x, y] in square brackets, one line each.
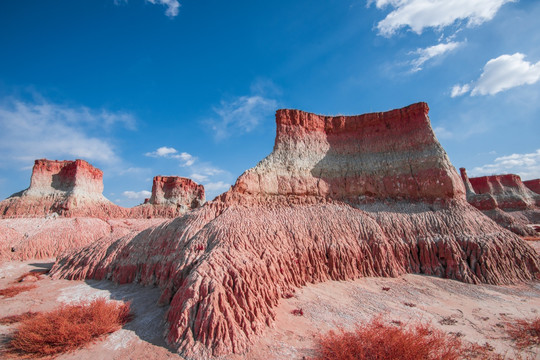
[224, 267]
[171, 196]
[385, 155]
[67, 188]
[533, 185]
[504, 199]
[508, 190]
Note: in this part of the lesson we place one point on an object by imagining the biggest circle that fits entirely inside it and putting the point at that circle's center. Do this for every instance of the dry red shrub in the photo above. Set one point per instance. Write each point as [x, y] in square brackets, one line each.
[377, 340]
[69, 327]
[525, 332]
[16, 289]
[37, 274]
[298, 312]
[6, 320]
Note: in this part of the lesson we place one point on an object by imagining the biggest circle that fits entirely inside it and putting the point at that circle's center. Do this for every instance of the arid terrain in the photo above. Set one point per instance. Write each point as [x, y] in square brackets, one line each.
[477, 313]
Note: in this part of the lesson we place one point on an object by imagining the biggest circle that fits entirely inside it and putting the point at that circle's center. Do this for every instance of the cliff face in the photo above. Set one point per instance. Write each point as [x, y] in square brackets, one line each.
[376, 156]
[67, 188]
[506, 200]
[338, 198]
[171, 196]
[533, 185]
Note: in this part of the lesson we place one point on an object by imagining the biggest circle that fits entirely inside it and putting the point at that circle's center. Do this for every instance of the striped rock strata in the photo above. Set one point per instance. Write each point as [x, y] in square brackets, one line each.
[65, 188]
[506, 200]
[533, 185]
[172, 196]
[338, 198]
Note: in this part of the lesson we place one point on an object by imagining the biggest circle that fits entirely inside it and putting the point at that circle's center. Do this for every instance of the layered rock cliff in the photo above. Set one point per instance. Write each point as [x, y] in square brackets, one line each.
[338, 198]
[506, 200]
[533, 185]
[65, 188]
[171, 196]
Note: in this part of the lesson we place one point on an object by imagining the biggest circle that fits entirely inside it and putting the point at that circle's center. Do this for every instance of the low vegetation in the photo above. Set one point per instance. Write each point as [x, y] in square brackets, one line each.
[15, 290]
[380, 341]
[68, 328]
[6, 320]
[524, 332]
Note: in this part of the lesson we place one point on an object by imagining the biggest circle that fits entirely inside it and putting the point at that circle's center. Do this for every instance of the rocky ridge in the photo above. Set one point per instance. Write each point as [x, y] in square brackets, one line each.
[172, 196]
[338, 198]
[506, 200]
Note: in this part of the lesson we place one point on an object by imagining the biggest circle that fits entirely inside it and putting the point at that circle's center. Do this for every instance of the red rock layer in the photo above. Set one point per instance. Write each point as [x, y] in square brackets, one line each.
[508, 190]
[533, 185]
[380, 155]
[171, 196]
[506, 200]
[41, 238]
[67, 188]
[224, 267]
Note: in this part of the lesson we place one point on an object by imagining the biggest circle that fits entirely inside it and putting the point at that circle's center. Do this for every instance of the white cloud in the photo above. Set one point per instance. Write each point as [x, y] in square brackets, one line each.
[438, 14]
[171, 153]
[431, 52]
[41, 129]
[199, 178]
[443, 133]
[216, 187]
[136, 195]
[241, 115]
[172, 6]
[525, 165]
[500, 74]
[458, 90]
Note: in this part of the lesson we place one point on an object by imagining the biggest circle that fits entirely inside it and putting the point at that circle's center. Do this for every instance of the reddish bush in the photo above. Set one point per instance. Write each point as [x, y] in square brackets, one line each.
[37, 274]
[16, 289]
[386, 288]
[409, 304]
[17, 318]
[69, 327]
[525, 332]
[376, 340]
[288, 295]
[297, 312]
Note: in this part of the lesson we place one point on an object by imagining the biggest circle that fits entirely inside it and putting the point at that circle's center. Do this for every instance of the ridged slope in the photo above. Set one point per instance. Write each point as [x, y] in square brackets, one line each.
[338, 198]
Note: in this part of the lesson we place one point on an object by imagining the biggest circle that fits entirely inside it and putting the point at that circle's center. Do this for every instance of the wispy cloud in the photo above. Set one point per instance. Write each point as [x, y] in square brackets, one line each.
[173, 6]
[213, 178]
[420, 14]
[137, 195]
[171, 153]
[241, 115]
[525, 165]
[38, 129]
[426, 54]
[500, 74]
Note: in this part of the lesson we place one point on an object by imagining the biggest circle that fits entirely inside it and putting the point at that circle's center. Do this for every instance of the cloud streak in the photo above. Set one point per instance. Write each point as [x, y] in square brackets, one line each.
[32, 130]
[171, 153]
[525, 165]
[431, 52]
[438, 14]
[137, 195]
[241, 115]
[502, 73]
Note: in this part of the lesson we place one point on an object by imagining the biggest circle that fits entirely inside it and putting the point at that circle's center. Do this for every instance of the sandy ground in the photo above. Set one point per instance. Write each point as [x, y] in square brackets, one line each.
[479, 312]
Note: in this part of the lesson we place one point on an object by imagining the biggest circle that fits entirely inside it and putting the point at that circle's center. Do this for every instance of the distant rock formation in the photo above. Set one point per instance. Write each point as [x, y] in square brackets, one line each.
[533, 185]
[338, 198]
[65, 188]
[171, 196]
[506, 200]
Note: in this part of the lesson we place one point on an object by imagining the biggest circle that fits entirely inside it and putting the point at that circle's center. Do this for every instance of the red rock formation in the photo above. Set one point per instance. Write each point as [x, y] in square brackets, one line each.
[506, 200]
[338, 198]
[171, 196]
[67, 188]
[41, 238]
[533, 185]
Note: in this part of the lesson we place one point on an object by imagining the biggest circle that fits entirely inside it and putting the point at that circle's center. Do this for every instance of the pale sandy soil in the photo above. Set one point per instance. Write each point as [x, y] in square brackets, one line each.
[480, 312]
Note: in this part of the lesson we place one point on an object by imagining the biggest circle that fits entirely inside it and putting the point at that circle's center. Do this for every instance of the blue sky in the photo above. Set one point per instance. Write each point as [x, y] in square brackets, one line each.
[189, 87]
